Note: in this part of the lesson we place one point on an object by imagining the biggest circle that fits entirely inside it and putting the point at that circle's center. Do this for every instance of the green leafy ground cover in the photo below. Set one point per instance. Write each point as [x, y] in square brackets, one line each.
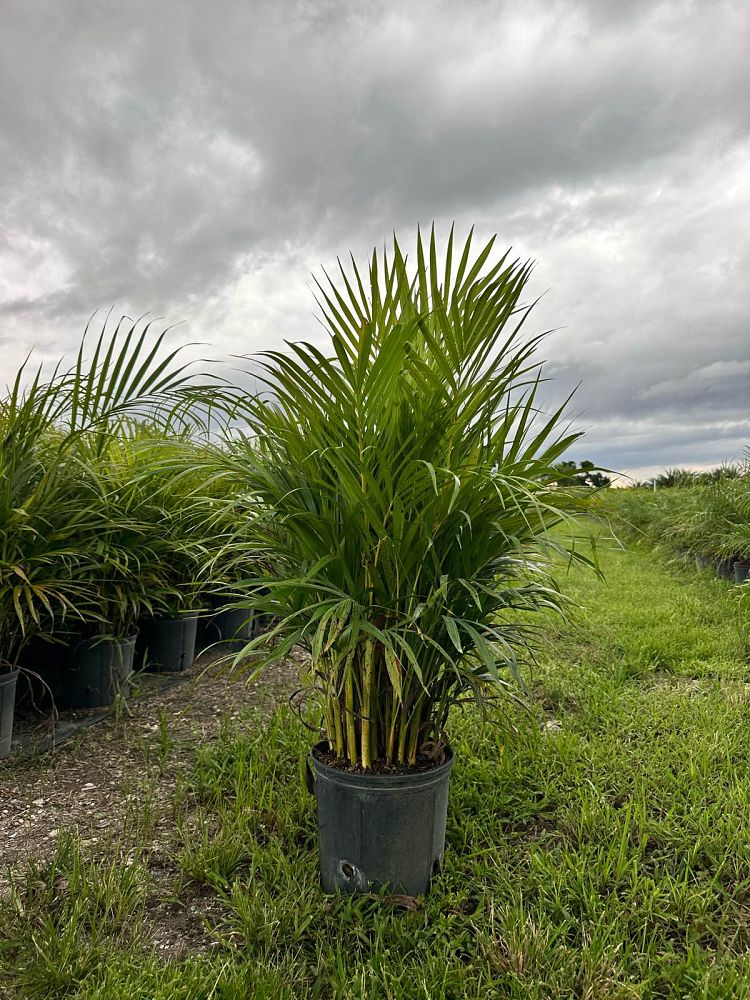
[599, 847]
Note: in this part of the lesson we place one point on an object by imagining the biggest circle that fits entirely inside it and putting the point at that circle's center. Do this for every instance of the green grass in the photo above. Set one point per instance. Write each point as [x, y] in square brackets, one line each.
[598, 847]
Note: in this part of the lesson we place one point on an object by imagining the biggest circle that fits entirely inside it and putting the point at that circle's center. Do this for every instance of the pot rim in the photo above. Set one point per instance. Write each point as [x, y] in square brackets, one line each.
[189, 614]
[98, 640]
[418, 779]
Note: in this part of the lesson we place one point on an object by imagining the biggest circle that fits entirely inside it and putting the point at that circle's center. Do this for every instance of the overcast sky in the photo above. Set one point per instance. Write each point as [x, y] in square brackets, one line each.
[198, 160]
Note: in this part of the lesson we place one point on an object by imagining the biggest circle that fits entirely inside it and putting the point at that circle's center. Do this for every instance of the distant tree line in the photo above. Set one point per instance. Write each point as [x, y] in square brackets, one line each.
[586, 474]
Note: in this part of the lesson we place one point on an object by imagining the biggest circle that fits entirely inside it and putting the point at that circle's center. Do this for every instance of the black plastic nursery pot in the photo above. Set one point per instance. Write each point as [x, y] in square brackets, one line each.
[91, 672]
[380, 830]
[724, 568]
[7, 709]
[741, 571]
[167, 645]
[261, 622]
[225, 629]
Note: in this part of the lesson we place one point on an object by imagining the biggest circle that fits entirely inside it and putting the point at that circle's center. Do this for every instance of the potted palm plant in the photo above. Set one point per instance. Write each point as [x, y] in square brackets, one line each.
[154, 549]
[229, 618]
[38, 526]
[142, 567]
[197, 521]
[405, 491]
[730, 502]
[46, 568]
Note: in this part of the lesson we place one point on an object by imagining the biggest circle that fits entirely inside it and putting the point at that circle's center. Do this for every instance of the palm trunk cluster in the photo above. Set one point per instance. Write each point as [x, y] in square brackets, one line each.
[365, 718]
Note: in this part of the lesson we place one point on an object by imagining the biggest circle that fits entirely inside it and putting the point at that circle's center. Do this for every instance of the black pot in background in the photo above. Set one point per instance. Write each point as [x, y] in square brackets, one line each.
[724, 567]
[167, 645]
[741, 571]
[262, 622]
[7, 709]
[224, 630]
[90, 672]
[377, 830]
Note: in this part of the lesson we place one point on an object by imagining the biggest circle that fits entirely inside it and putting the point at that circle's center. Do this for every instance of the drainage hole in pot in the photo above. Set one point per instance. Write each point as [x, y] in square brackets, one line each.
[437, 866]
[347, 870]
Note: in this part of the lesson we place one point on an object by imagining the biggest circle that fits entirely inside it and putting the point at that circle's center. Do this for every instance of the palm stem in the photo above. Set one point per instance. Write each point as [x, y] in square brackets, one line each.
[351, 727]
[367, 704]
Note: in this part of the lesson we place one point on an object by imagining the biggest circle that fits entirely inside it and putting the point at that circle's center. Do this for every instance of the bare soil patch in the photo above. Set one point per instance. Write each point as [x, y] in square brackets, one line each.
[114, 782]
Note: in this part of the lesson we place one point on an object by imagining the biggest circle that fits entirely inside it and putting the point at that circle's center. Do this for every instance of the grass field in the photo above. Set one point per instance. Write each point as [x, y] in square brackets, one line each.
[597, 847]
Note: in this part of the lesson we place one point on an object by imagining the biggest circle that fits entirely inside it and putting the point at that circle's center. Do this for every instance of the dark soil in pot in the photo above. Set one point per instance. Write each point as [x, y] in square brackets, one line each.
[424, 763]
[380, 830]
[7, 709]
[167, 645]
[89, 673]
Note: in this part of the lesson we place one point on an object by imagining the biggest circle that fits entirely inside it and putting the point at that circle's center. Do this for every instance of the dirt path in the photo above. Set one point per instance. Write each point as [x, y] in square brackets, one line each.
[120, 775]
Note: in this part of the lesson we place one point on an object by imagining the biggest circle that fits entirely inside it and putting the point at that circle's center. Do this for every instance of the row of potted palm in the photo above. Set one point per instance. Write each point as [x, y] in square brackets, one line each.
[705, 521]
[98, 536]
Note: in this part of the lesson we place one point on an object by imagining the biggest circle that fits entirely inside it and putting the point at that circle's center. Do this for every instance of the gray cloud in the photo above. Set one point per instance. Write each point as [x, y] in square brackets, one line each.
[198, 161]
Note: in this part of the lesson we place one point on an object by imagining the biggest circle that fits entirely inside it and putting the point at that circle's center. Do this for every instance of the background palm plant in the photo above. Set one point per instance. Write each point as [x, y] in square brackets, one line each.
[131, 555]
[727, 521]
[706, 514]
[49, 528]
[37, 530]
[405, 487]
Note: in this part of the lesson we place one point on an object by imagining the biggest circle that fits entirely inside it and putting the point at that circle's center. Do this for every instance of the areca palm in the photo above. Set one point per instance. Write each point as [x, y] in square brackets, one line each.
[47, 567]
[403, 477]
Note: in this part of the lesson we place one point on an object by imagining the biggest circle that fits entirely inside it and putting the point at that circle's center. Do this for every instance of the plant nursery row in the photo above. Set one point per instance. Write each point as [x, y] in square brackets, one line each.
[122, 539]
[707, 522]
